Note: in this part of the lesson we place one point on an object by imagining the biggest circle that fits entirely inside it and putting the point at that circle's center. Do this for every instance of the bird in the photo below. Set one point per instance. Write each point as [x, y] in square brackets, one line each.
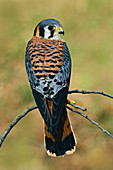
[48, 67]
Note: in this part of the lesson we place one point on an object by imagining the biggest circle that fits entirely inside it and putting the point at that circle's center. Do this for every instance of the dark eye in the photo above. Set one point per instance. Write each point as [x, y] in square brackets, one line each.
[50, 27]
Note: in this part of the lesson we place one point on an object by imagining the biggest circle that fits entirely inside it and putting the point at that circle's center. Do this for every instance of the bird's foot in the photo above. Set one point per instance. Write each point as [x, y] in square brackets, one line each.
[71, 101]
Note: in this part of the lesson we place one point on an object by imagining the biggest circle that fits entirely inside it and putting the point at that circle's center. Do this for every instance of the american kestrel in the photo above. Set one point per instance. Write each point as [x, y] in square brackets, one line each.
[48, 65]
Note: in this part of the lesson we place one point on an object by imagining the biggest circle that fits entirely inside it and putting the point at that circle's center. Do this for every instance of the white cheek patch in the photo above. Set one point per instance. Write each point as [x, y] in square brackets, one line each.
[47, 33]
[56, 37]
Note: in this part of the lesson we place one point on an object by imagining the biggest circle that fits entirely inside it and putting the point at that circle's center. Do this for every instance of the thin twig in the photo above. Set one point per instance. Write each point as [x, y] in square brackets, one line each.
[76, 106]
[19, 117]
[14, 122]
[90, 92]
[93, 122]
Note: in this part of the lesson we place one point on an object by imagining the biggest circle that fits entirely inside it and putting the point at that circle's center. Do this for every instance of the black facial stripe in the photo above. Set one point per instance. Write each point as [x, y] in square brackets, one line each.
[41, 32]
[52, 33]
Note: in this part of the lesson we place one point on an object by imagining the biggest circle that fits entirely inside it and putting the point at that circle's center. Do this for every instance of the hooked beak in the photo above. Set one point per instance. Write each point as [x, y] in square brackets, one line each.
[60, 31]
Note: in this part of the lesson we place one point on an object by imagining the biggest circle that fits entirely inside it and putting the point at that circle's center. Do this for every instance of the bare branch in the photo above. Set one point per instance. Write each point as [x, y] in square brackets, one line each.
[76, 106]
[93, 122]
[14, 122]
[19, 117]
[90, 92]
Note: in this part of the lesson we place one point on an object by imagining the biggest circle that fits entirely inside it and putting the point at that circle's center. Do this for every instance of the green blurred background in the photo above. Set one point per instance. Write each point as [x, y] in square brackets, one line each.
[88, 26]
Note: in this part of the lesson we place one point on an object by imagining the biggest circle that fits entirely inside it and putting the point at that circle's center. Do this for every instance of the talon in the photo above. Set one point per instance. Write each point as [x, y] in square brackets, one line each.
[71, 101]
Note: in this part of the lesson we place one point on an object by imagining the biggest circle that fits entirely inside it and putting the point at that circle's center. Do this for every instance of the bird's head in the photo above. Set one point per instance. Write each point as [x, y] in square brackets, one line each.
[49, 29]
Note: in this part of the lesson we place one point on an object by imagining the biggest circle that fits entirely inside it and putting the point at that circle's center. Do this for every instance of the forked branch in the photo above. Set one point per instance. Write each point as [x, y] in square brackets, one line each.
[19, 117]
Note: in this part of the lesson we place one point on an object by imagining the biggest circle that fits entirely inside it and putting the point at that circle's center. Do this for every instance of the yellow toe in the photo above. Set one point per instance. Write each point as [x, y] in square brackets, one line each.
[70, 101]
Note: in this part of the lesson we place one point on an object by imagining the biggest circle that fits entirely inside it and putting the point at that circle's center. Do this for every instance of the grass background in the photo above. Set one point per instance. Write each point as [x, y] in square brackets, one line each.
[88, 26]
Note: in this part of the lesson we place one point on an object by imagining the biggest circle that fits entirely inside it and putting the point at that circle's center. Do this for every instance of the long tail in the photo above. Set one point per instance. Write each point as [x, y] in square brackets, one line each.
[63, 142]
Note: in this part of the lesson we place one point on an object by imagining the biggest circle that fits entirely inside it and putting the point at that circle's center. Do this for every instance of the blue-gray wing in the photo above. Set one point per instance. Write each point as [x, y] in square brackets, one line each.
[34, 83]
[56, 89]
